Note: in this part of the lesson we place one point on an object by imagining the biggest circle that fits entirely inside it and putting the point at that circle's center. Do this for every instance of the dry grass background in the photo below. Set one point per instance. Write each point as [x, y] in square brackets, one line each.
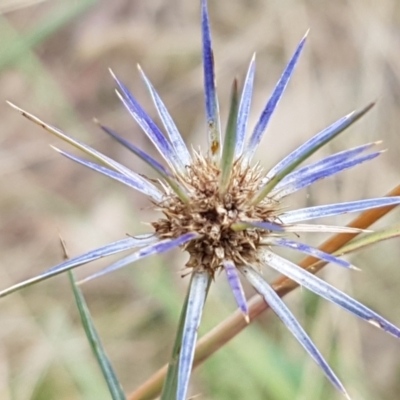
[54, 58]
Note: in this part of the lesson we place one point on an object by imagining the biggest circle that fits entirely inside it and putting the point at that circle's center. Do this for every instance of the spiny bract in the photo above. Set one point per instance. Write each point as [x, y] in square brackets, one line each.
[224, 209]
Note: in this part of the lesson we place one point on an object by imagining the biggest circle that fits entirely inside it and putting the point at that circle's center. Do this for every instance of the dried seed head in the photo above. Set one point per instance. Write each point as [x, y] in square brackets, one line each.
[212, 215]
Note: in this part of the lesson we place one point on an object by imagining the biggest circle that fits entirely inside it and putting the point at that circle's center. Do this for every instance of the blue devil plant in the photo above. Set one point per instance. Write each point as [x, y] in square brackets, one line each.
[224, 209]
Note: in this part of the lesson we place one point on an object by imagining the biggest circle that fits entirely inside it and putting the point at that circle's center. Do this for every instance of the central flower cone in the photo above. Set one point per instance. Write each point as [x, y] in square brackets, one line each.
[219, 219]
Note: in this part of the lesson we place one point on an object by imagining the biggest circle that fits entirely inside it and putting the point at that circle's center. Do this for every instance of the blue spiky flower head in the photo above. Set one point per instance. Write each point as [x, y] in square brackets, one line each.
[224, 209]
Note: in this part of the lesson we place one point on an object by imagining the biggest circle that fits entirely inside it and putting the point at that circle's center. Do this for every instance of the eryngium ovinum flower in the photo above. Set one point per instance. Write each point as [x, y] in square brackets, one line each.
[223, 208]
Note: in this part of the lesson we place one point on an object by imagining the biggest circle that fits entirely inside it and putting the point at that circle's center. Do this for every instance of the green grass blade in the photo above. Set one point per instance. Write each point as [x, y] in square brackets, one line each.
[95, 343]
[369, 239]
[42, 30]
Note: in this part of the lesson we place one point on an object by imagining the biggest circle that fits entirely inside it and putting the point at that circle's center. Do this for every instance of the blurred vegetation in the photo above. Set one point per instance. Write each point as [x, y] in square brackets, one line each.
[53, 62]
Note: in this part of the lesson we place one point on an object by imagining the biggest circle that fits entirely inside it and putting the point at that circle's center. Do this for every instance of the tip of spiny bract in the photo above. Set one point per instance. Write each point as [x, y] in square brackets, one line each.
[14, 106]
[347, 396]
